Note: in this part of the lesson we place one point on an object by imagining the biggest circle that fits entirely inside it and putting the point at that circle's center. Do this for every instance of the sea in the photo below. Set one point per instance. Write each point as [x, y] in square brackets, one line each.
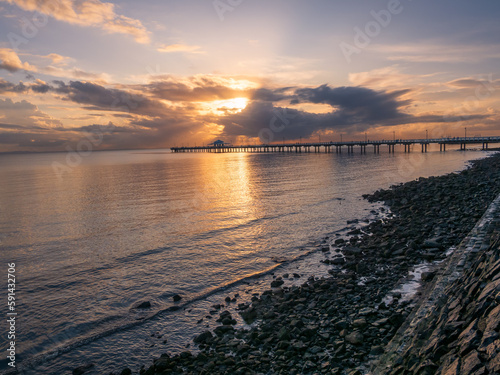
[93, 236]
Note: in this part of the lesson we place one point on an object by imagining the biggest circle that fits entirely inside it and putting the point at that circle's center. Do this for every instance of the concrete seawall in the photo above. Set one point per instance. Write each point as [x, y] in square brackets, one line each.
[454, 327]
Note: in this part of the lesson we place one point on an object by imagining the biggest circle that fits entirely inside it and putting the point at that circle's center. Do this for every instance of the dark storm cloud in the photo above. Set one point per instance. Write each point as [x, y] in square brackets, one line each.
[270, 95]
[151, 123]
[6, 86]
[99, 97]
[40, 88]
[355, 109]
[176, 91]
[358, 101]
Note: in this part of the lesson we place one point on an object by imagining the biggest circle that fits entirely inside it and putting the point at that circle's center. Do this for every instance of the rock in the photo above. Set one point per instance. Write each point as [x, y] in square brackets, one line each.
[143, 305]
[283, 334]
[472, 364]
[176, 298]
[352, 250]
[203, 338]
[431, 243]
[343, 324]
[355, 338]
[494, 364]
[126, 371]
[469, 338]
[277, 283]
[428, 276]
[359, 323]
[452, 367]
[368, 310]
[83, 369]
[377, 350]
[222, 330]
[249, 315]
[162, 363]
[337, 261]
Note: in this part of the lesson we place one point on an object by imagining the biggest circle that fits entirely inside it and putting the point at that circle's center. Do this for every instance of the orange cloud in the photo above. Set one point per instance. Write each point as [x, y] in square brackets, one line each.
[9, 60]
[179, 48]
[87, 13]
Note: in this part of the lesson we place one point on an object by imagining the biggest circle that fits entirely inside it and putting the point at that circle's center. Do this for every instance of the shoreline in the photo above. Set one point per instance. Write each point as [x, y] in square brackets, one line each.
[452, 329]
[300, 330]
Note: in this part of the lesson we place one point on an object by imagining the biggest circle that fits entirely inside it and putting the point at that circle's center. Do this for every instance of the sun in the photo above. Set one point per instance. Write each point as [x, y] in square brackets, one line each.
[236, 104]
[224, 107]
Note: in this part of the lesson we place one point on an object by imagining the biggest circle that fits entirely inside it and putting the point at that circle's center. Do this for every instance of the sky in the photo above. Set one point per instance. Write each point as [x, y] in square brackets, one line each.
[81, 74]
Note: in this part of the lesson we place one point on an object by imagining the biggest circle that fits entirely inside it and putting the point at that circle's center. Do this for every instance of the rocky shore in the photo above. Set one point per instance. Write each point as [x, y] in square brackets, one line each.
[455, 326]
[341, 324]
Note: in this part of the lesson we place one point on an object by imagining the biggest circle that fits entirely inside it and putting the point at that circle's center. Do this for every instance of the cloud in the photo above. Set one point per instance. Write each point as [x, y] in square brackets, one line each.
[160, 113]
[95, 96]
[179, 48]
[383, 78]
[87, 13]
[360, 103]
[57, 59]
[26, 115]
[39, 87]
[10, 61]
[436, 52]
[471, 82]
[8, 87]
[192, 91]
[74, 73]
[354, 110]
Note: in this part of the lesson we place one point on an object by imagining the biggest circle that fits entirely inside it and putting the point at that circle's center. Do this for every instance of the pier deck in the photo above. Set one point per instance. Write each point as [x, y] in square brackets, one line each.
[337, 146]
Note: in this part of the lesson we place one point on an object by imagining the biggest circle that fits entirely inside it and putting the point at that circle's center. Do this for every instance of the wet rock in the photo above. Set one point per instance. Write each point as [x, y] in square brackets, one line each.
[143, 305]
[83, 369]
[249, 315]
[376, 350]
[355, 338]
[359, 323]
[176, 298]
[299, 325]
[337, 261]
[428, 276]
[203, 338]
[222, 330]
[472, 364]
[277, 283]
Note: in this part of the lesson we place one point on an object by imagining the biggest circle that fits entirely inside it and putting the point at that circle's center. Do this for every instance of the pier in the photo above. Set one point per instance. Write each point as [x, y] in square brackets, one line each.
[337, 147]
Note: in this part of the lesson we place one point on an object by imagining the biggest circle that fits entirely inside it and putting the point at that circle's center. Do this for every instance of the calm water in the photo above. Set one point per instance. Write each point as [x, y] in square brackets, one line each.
[131, 226]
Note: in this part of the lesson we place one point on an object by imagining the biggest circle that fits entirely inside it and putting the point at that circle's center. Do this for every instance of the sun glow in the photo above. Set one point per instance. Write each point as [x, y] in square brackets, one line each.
[224, 107]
